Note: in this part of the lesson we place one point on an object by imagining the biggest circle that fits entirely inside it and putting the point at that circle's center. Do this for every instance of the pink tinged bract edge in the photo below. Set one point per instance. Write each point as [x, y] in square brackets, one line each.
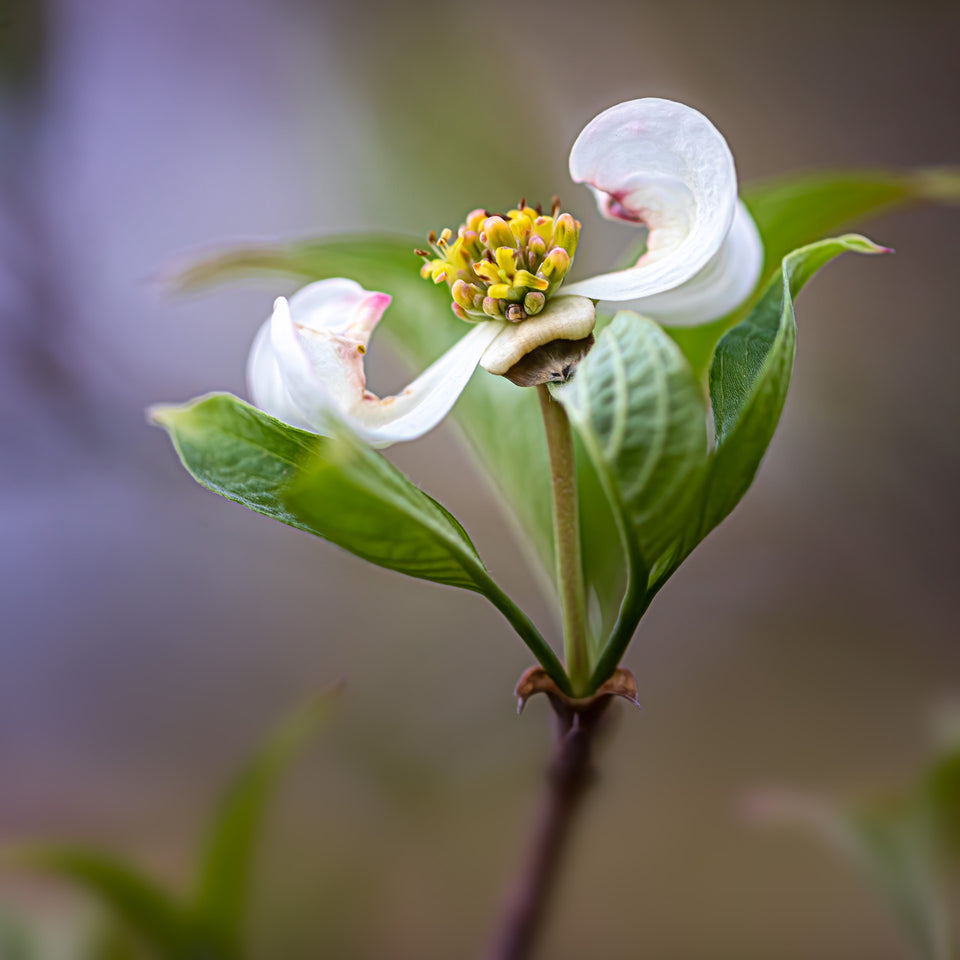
[664, 165]
[306, 366]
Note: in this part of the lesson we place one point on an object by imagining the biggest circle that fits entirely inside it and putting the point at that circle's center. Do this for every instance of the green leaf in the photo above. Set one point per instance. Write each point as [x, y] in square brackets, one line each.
[750, 375]
[794, 211]
[892, 842]
[942, 789]
[16, 941]
[641, 417]
[140, 904]
[797, 209]
[499, 422]
[226, 863]
[338, 489]
[894, 848]
[115, 942]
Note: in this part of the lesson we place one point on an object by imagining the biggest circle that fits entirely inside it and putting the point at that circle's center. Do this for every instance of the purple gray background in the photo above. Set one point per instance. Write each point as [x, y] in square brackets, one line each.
[149, 632]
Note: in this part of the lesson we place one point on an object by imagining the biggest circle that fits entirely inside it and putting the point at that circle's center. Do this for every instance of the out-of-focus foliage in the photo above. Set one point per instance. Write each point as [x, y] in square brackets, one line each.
[904, 844]
[147, 919]
[23, 44]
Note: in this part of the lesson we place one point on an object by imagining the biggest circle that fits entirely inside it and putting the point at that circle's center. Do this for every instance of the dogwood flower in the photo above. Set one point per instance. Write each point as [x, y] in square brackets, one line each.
[654, 163]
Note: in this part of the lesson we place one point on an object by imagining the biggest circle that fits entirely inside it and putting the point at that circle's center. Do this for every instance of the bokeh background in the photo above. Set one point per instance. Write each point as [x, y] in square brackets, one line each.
[149, 632]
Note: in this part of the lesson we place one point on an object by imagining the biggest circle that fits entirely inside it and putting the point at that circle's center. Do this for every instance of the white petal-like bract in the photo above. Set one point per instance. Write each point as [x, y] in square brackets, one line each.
[723, 284]
[306, 366]
[664, 166]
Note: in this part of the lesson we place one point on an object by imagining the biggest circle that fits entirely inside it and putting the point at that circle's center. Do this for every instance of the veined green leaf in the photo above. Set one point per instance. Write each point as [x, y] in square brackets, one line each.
[641, 417]
[750, 375]
[338, 489]
[226, 861]
[140, 904]
[499, 422]
[795, 210]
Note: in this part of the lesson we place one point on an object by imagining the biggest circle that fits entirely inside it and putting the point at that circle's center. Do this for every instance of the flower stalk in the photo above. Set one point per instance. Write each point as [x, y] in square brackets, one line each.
[566, 530]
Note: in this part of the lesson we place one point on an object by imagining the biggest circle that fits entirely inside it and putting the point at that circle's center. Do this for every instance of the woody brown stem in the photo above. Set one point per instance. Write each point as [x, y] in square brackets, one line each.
[569, 777]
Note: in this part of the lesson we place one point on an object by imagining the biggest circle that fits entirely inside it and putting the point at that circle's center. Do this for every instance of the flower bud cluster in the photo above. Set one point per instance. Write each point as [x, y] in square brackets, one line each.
[503, 267]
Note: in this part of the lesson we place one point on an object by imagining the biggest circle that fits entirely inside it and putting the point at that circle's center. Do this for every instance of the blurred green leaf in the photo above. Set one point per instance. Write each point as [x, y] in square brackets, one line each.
[500, 422]
[942, 789]
[209, 927]
[338, 489]
[795, 210]
[114, 942]
[225, 866]
[750, 375]
[16, 942]
[642, 417]
[892, 843]
[895, 849]
[901, 842]
[137, 901]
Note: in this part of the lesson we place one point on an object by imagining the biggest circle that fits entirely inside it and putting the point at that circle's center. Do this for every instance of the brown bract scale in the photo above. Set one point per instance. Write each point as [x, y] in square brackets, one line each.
[534, 680]
[503, 267]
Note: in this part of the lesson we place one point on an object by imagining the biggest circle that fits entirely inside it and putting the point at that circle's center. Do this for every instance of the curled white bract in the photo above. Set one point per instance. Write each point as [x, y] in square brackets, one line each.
[306, 366]
[664, 166]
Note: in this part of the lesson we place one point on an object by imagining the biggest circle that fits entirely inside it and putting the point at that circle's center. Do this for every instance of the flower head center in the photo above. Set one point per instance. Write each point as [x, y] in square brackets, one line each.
[503, 267]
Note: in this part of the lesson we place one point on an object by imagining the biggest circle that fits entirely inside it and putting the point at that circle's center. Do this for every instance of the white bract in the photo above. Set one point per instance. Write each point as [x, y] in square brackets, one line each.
[306, 366]
[664, 166]
[655, 163]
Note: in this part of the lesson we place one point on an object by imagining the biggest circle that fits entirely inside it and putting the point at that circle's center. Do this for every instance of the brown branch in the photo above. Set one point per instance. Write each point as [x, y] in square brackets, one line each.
[569, 777]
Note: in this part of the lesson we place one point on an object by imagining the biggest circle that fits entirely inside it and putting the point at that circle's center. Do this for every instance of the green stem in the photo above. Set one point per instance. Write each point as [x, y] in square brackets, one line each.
[566, 531]
[530, 635]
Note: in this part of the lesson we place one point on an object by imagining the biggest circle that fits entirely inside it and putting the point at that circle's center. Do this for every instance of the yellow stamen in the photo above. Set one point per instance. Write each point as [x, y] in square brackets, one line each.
[503, 265]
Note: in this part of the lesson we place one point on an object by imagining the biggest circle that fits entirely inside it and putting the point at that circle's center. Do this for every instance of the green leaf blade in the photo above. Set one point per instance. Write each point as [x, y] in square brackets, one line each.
[225, 865]
[750, 376]
[798, 209]
[145, 908]
[355, 498]
[337, 489]
[641, 417]
[334, 488]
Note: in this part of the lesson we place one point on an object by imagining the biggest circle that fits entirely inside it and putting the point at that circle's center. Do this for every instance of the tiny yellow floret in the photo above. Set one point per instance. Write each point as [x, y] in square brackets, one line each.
[504, 266]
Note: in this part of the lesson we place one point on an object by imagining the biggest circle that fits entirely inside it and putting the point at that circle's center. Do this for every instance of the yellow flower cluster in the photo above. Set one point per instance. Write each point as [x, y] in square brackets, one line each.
[504, 267]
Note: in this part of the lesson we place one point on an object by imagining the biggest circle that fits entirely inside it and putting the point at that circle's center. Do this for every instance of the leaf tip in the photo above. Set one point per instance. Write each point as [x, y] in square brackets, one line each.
[861, 244]
[160, 414]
